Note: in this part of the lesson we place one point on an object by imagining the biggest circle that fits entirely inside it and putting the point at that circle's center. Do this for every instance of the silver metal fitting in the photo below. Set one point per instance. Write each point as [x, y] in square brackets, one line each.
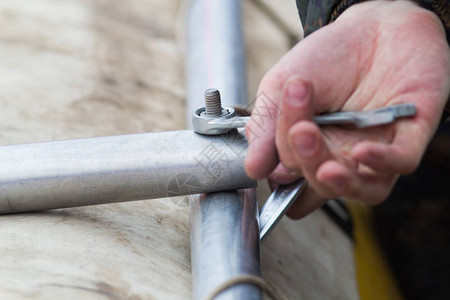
[201, 122]
[212, 112]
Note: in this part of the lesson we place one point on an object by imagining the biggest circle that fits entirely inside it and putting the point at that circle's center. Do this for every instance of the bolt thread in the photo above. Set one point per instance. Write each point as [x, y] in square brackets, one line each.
[213, 105]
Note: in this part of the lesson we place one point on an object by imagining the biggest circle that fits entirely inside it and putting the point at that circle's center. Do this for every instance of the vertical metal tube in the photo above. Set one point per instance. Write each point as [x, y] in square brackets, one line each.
[224, 226]
[224, 243]
[215, 53]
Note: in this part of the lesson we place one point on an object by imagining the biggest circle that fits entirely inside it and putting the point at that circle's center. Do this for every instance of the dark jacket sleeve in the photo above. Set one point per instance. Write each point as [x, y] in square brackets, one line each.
[317, 13]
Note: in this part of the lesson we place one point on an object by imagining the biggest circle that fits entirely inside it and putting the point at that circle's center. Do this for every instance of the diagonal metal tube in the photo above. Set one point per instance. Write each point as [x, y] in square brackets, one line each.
[224, 226]
[119, 168]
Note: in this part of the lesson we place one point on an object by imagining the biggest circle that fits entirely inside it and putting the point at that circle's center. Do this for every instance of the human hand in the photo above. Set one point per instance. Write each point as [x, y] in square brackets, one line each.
[376, 54]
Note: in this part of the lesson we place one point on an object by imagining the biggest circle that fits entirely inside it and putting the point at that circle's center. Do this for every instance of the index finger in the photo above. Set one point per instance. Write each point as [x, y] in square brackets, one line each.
[262, 156]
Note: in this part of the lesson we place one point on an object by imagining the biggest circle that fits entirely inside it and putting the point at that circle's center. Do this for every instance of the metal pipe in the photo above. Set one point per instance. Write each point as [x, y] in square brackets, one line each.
[224, 243]
[224, 226]
[215, 53]
[119, 168]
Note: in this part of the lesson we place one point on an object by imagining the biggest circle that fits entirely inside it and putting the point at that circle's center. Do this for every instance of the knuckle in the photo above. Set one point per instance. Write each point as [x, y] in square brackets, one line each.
[408, 159]
[280, 177]
[270, 80]
[289, 162]
[285, 155]
[410, 165]
[382, 192]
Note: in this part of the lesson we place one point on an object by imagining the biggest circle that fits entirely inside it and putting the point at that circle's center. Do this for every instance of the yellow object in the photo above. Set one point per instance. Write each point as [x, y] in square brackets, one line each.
[375, 279]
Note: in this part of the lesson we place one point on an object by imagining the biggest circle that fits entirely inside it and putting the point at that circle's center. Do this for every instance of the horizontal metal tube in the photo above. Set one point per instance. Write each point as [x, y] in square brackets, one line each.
[224, 243]
[119, 168]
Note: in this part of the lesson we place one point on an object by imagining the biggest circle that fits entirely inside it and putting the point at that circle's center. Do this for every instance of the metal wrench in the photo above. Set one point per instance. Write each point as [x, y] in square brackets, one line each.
[361, 119]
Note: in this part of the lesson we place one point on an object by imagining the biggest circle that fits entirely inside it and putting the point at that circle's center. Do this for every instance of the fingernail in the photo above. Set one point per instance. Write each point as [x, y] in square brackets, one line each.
[296, 93]
[305, 144]
[282, 169]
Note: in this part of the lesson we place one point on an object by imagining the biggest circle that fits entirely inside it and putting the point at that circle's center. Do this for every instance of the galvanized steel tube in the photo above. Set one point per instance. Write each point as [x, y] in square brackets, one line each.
[224, 226]
[215, 53]
[119, 168]
[224, 243]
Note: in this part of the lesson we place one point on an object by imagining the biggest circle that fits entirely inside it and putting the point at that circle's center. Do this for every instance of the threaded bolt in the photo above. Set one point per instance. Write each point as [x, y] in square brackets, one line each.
[213, 105]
